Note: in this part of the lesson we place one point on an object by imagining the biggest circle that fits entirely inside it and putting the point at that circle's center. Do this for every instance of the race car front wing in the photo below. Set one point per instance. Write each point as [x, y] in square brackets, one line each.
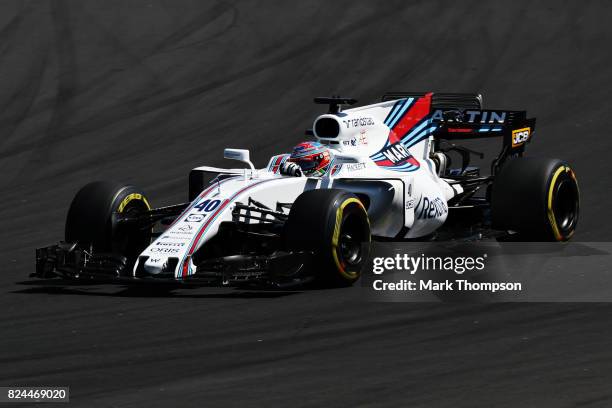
[69, 261]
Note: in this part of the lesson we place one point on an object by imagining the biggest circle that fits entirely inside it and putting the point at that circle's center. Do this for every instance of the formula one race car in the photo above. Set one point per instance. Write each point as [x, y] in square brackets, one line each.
[389, 176]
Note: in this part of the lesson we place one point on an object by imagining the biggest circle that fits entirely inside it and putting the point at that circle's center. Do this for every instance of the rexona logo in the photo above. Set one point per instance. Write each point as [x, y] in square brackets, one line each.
[396, 153]
[431, 208]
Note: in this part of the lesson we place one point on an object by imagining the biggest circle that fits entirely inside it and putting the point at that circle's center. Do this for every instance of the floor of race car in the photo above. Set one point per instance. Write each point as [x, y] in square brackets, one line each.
[142, 92]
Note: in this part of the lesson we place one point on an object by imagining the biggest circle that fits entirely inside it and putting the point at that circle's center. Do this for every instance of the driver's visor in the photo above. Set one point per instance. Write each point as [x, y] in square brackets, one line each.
[307, 163]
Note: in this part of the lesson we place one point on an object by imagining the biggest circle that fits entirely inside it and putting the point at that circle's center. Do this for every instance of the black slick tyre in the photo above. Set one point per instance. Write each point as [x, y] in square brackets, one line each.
[334, 225]
[537, 198]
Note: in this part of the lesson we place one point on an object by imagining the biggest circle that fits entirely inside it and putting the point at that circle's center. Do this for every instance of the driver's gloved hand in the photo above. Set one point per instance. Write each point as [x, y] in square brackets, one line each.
[291, 169]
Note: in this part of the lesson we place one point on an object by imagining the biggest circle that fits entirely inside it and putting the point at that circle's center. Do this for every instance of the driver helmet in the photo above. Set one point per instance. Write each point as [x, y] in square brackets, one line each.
[313, 158]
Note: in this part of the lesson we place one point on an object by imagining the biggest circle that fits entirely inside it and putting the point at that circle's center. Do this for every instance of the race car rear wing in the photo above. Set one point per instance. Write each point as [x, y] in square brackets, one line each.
[472, 124]
[461, 116]
[513, 127]
[441, 100]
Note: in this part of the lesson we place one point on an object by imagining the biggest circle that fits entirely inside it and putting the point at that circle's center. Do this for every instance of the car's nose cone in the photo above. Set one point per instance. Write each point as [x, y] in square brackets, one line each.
[155, 266]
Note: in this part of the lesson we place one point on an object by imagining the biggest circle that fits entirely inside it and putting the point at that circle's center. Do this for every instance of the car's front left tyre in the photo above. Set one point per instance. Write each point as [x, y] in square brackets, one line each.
[92, 219]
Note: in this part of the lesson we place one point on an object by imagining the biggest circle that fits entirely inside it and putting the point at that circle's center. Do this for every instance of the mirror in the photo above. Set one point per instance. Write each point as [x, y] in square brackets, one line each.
[242, 155]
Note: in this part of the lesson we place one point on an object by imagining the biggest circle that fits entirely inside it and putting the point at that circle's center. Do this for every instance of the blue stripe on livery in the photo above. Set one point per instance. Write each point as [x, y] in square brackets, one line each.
[202, 229]
[399, 109]
[276, 162]
[394, 110]
[490, 129]
[404, 168]
[394, 155]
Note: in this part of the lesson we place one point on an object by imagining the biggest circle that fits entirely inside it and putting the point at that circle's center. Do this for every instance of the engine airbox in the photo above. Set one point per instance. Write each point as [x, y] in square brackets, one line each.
[342, 126]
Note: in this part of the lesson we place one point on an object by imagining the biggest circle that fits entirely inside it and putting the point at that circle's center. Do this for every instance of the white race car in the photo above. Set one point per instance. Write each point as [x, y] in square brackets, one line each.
[387, 174]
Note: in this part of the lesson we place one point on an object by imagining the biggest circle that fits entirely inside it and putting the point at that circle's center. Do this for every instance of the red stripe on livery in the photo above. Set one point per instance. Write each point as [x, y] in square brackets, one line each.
[205, 226]
[385, 163]
[389, 163]
[195, 242]
[204, 194]
[415, 114]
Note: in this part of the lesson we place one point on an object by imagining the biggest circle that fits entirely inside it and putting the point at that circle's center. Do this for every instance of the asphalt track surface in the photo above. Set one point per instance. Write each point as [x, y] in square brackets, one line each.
[142, 91]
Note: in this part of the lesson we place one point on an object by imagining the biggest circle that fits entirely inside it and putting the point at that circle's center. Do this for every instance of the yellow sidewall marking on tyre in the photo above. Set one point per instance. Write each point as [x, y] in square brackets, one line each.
[549, 210]
[133, 196]
[573, 176]
[336, 237]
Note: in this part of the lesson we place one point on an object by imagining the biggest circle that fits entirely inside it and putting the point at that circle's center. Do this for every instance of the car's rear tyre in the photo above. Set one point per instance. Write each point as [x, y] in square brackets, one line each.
[538, 198]
[334, 225]
[91, 222]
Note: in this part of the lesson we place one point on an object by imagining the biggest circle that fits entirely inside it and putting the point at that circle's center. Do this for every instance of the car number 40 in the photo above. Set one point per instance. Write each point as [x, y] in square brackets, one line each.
[208, 205]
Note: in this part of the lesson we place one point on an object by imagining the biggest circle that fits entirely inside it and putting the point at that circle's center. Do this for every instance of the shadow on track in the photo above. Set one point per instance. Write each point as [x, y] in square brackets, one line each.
[62, 287]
